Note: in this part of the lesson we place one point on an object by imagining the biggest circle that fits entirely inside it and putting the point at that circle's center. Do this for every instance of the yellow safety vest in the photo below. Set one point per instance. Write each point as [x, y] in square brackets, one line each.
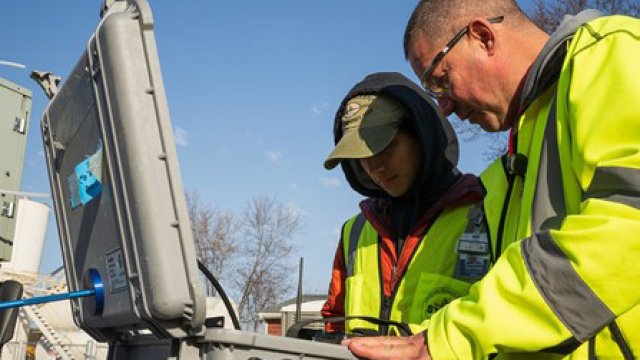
[442, 268]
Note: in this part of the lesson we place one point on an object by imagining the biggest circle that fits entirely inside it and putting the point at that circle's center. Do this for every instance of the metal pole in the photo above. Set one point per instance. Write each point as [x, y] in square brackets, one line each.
[299, 297]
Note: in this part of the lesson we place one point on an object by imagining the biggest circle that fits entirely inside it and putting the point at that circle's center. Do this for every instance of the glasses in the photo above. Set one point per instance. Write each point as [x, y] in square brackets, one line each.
[438, 87]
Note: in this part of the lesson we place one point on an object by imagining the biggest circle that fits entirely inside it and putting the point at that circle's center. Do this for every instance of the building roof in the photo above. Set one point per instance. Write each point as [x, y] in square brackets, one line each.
[306, 299]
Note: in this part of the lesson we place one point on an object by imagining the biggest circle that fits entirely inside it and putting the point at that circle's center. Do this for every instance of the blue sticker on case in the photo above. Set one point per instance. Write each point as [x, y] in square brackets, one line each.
[89, 185]
[85, 182]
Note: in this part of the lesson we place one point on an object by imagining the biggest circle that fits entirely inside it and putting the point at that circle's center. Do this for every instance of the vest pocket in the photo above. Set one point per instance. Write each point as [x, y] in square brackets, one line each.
[433, 292]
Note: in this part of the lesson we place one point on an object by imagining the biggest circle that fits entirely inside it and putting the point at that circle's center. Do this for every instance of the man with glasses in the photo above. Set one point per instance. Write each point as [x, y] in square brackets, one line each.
[566, 283]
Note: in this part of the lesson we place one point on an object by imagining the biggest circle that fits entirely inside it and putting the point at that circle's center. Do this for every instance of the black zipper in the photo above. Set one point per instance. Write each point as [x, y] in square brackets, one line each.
[387, 301]
[385, 312]
[510, 181]
[382, 329]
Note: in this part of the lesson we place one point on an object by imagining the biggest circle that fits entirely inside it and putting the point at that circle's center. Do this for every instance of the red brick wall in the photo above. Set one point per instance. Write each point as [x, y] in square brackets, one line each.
[274, 327]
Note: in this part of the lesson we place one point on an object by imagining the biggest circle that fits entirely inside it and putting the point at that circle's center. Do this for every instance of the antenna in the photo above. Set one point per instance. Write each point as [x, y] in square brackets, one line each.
[11, 63]
[299, 297]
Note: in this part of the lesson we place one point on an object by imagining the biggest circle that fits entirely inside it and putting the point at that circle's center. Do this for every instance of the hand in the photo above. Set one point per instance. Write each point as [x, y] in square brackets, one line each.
[389, 347]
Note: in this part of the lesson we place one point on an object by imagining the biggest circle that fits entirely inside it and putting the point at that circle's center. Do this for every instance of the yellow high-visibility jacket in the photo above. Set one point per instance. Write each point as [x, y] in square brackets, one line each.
[569, 281]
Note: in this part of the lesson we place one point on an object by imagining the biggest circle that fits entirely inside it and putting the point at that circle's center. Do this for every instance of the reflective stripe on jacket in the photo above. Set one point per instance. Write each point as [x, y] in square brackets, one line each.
[570, 285]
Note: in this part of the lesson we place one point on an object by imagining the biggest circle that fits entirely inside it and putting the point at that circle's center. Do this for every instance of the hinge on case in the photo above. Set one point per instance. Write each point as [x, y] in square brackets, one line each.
[108, 4]
[8, 209]
[47, 81]
[20, 125]
[45, 132]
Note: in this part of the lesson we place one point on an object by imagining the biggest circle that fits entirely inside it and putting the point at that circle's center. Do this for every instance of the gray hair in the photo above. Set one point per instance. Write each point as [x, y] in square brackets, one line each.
[442, 18]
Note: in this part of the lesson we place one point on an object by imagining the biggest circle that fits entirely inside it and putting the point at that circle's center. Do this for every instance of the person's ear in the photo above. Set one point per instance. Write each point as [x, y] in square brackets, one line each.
[480, 29]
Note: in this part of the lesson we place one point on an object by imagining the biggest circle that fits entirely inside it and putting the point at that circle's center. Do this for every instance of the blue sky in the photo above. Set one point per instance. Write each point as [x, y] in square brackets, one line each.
[252, 89]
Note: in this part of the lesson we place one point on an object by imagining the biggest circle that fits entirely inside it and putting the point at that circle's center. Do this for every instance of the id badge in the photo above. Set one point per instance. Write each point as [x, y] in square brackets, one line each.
[473, 256]
[471, 267]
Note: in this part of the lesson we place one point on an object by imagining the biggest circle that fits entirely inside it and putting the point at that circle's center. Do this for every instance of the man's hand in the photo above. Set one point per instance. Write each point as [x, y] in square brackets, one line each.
[389, 347]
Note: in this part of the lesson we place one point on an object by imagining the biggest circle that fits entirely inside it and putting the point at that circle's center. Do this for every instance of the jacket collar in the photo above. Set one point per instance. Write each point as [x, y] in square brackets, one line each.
[545, 70]
[466, 190]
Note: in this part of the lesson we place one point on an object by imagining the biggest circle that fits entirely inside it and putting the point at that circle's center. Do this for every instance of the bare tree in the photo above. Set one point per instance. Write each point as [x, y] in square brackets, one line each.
[548, 14]
[213, 232]
[497, 141]
[250, 250]
[263, 274]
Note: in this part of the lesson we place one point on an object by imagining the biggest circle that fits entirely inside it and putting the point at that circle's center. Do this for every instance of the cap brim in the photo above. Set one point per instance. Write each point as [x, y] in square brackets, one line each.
[360, 143]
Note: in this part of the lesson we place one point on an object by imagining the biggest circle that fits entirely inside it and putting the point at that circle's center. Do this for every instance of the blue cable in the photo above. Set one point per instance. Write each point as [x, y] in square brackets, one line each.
[97, 292]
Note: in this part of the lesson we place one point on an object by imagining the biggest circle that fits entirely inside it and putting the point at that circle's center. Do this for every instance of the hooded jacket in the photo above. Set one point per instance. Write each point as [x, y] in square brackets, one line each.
[439, 145]
[402, 222]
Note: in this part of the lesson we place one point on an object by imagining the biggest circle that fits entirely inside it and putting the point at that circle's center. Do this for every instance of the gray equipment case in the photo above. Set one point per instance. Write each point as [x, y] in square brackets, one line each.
[121, 210]
[116, 185]
[218, 344]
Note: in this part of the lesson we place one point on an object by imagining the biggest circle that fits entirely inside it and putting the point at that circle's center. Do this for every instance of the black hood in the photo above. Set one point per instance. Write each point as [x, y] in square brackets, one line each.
[439, 144]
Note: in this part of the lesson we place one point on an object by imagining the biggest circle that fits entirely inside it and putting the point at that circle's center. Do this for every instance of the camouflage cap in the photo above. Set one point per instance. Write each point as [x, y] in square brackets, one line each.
[369, 123]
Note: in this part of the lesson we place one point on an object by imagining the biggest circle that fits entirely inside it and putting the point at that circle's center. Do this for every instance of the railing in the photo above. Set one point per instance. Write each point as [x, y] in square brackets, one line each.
[38, 316]
[36, 284]
[52, 337]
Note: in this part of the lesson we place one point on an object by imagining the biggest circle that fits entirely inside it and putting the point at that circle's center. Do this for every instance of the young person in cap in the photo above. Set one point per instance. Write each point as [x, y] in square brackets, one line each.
[568, 282]
[420, 240]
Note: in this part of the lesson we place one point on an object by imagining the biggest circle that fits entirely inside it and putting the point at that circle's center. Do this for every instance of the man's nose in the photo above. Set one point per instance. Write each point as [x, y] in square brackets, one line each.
[446, 105]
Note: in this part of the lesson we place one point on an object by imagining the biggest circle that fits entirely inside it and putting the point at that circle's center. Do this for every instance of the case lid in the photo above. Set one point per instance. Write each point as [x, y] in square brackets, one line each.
[116, 185]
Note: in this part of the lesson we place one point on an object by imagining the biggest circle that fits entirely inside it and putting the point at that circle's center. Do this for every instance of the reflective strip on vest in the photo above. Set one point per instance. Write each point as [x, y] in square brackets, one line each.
[427, 282]
[616, 184]
[573, 302]
[354, 235]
